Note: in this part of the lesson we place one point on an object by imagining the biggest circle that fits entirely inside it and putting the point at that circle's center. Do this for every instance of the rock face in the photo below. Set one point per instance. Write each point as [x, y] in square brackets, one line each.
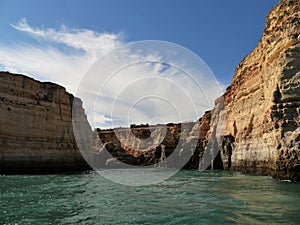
[36, 134]
[261, 109]
[263, 102]
[253, 128]
[175, 145]
[140, 145]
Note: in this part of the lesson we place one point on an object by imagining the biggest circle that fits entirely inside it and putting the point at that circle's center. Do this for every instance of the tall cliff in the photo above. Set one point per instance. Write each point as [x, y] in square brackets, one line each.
[36, 132]
[261, 108]
[259, 114]
[263, 102]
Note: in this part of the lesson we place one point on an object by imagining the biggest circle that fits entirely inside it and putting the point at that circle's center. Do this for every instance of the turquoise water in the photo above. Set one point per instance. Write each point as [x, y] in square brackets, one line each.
[189, 197]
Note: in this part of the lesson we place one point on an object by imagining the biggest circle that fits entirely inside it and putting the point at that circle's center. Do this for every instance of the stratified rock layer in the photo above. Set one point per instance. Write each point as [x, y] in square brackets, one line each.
[36, 134]
[263, 102]
[255, 125]
[146, 145]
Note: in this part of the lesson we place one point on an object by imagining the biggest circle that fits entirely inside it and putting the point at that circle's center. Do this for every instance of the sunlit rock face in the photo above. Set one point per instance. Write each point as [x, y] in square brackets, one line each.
[261, 107]
[36, 134]
[260, 130]
[142, 145]
[263, 102]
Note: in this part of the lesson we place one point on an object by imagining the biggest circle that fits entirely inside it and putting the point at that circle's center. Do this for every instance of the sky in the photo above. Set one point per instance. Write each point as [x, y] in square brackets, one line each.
[59, 40]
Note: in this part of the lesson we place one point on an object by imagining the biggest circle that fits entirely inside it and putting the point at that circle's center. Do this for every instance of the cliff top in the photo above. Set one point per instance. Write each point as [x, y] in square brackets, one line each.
[21, 76]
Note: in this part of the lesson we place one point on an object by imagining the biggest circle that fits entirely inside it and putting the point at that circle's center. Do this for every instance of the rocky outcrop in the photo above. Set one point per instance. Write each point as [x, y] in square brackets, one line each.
[159, 145]
[263, 102]
[253, 128]
[36, 134]
[139, 145]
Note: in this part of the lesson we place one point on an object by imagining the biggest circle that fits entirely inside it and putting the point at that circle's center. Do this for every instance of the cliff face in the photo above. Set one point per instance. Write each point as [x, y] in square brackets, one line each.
[36, 132]
[172, 145]
[263, 102]
[258, 119]
[261, 109]
[144, 145]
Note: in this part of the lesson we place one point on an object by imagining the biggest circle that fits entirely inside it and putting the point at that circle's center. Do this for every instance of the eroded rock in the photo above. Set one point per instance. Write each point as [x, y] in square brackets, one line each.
[36, 134]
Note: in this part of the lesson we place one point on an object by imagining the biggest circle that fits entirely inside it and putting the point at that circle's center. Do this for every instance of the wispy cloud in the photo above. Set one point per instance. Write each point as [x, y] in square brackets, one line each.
[49, 62]
[93, 43]
[120, 101]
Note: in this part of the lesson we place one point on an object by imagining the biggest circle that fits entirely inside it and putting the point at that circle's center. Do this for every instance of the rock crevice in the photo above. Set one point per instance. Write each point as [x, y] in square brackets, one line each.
[258, 118]
[262, 103]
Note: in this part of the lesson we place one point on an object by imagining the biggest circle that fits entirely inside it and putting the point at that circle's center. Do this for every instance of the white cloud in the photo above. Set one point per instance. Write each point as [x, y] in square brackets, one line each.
[50, 63]
[125, 90]
[93, 43]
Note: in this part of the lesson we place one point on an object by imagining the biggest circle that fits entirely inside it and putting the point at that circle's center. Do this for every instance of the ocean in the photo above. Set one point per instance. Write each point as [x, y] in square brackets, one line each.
[189, 197]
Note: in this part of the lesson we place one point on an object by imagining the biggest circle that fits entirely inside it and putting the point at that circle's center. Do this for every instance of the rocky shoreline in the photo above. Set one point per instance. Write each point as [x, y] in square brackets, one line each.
[261, 133]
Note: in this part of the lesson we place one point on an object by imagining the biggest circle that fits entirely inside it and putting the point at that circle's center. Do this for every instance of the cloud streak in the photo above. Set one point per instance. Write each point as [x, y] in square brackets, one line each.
[49, 62]
[93, 43]
[123, 93]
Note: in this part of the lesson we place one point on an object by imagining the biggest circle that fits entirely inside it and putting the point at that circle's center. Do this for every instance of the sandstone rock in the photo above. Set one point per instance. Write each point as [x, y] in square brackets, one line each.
[135, 146]
[36, 134]
[255, 125]
[262, 104]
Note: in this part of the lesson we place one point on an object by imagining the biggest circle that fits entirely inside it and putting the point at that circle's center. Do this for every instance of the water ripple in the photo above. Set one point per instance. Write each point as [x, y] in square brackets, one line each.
[190, 197]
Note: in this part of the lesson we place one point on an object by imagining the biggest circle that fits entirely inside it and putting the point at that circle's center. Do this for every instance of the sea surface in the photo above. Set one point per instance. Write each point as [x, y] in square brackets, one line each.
[189, 197]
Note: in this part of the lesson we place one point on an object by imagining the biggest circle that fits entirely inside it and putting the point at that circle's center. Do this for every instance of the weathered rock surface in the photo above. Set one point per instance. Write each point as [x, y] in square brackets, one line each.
[259, 114]
[253, 128]
[172, 145]
[36, 134]
[263, 102]
[140, 145]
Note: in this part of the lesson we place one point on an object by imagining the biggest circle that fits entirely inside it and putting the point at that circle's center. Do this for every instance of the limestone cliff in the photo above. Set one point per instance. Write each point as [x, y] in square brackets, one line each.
[259, 117]
[138, 145]
[36, 132]
[175, 145]
[263, 102]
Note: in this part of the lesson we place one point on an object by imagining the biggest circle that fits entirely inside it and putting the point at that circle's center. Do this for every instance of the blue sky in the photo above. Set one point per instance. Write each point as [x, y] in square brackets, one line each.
[221, 32]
